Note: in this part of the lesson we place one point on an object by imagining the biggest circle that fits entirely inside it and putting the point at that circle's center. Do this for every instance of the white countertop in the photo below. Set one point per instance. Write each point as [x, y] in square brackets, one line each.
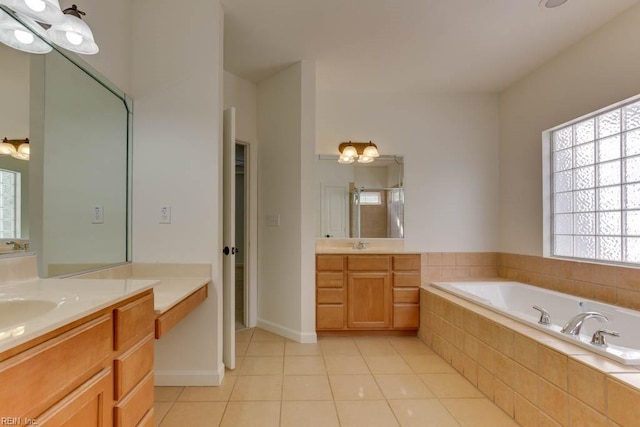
[70, 299]
[169, 292]
[351, 251]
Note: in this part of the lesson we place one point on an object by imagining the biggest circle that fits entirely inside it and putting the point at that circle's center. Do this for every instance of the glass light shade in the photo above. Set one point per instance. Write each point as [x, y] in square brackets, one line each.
[46, 11]
[364, 159]
[370, 151]
[343, 160]
[17, 36]
[350, 151]
[73, 34]
[23, 153]
[7, 148]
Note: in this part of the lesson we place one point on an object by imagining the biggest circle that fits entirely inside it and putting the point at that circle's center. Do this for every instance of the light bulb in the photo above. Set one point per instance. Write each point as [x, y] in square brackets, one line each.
[73, 38]
[35, 5]
[23, 37]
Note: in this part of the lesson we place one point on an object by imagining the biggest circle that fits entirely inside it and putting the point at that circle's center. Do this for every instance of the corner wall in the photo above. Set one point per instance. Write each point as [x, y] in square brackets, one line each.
[601, 69]
[177, 87]
[286, 207]
[450, 149]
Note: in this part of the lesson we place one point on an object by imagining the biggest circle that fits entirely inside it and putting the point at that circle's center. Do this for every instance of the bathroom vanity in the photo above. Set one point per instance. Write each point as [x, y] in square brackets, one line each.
[88, 361]
[367, 292]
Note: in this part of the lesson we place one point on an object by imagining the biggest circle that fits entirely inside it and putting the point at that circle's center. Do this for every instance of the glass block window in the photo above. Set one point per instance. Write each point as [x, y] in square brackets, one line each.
[9, 204]
[370, 198]
[595, 187]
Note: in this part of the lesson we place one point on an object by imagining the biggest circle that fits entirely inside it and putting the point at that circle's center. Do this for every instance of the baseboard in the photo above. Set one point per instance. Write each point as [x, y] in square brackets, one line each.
[298, 336]
[189, 378]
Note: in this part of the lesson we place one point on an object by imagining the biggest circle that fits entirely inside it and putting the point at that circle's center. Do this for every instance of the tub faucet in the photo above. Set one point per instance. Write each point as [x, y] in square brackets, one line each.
[573, 326]
[544, 316]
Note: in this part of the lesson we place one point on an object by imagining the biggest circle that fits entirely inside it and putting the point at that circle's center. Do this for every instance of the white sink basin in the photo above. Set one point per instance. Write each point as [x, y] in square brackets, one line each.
[15, 311]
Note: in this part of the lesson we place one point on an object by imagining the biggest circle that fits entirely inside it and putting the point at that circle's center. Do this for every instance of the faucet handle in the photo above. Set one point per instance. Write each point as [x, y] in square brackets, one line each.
[598, 336]
[544, 316]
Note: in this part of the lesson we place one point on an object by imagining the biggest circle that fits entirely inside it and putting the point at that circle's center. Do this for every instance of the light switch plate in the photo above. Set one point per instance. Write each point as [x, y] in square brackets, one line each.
[97, 214]
[273, 220]
[165, 214]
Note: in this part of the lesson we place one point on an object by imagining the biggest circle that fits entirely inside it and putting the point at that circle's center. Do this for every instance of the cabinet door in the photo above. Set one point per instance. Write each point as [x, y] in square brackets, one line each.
[88, 406]
[369, 300]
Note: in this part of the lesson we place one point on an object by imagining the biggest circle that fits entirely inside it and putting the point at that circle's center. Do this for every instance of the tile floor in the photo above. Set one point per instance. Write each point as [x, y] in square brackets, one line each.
[362, 381]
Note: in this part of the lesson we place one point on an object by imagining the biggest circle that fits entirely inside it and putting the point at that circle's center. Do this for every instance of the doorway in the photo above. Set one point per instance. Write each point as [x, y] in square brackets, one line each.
[241, 238]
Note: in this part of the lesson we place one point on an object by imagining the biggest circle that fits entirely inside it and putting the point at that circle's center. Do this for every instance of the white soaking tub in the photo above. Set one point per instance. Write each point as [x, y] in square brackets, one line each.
[516, 300]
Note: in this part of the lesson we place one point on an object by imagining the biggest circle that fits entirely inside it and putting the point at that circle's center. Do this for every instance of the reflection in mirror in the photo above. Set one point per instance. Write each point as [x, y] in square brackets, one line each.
[360, 200]
[74, 189]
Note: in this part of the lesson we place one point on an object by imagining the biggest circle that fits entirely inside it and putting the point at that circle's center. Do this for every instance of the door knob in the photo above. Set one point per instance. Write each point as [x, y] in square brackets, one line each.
[226, 250]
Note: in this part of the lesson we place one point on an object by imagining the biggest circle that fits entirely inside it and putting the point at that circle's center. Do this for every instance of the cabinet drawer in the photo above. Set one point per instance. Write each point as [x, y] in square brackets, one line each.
[369, 263]
[132, 366]
[329, 262]
[330, 296]
[44, 374]
[330, 316]
[330, 280]
[406, 295]
[147, 420]
[406, 262]
[129, 411]
[406, 316]
[133, 322]
[409, 279]
[87, 406]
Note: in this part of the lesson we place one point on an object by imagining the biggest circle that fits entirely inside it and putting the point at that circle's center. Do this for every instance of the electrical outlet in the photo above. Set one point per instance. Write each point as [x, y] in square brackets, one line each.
[97, 215]
[165, 214]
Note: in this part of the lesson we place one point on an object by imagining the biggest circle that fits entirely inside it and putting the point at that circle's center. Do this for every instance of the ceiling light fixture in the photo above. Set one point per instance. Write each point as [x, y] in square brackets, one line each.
[16, 148]
[551, 3]
[364, 152]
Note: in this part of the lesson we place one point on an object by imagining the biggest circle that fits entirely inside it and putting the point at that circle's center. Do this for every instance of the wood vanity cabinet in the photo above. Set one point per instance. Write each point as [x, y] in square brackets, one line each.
[367, 292]
[94, 372]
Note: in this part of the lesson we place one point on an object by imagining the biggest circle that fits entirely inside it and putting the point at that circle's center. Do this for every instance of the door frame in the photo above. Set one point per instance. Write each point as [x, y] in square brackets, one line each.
[251, 234]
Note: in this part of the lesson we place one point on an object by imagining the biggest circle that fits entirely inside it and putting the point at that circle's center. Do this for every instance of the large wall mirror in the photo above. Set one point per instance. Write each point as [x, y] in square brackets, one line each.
[70, 200]
[360, 200]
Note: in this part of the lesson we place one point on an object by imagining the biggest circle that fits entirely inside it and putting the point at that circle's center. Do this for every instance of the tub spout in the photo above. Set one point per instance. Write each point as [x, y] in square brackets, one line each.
[573, 326]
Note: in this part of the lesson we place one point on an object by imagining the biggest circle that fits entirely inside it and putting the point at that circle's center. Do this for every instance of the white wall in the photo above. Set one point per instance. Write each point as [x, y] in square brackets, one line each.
[286, 126]
[450, 149]
[243, 95]
[177, 87]
[110, 22]
[599, 70]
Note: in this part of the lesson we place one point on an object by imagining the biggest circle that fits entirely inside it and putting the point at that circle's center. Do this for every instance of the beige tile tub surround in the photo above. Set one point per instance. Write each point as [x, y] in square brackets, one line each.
[535, 378]
[619, 285]
[458, 265]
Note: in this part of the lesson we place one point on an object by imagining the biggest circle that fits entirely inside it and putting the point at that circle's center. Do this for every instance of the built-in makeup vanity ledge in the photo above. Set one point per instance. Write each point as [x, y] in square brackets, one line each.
[179, 288]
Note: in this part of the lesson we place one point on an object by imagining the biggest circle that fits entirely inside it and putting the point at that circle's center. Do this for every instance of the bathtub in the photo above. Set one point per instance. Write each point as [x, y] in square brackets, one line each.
[515, 300]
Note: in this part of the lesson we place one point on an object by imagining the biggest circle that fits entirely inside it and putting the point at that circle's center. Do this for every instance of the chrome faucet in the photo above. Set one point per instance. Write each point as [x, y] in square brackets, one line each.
[573, 326]
[360, 245]
[544, 316]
